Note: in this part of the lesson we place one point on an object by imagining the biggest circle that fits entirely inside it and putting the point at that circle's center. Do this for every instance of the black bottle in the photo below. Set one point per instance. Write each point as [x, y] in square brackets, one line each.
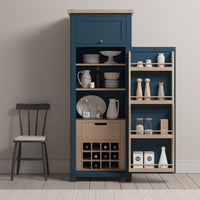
[98, 78]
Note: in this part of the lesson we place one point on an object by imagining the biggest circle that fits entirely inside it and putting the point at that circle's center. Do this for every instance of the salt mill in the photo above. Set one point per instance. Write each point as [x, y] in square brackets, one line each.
[139, 89]
[161, 93]
[147, 92]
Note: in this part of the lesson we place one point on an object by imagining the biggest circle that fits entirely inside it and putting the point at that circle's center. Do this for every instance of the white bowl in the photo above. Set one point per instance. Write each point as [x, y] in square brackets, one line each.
[91, 58]
[110, 55]
[111, 75]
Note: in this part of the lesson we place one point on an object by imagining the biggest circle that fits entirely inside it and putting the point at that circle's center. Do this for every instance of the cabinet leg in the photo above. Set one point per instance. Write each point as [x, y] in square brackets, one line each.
[72, 178]
[129, 177]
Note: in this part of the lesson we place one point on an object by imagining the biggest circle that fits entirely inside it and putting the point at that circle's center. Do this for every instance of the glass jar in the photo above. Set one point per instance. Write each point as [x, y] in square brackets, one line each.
[148, 125]
[139, 126]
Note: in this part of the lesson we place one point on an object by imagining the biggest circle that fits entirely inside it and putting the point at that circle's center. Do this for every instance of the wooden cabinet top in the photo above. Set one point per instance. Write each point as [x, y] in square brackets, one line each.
[100, 11]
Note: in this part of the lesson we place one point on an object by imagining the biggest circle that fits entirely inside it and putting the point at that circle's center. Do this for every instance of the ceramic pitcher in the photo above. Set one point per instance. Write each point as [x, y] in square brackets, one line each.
[85, 78]
[113, 109]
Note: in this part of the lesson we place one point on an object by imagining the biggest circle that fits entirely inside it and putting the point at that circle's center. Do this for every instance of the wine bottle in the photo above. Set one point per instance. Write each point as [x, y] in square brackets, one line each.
[98, 78]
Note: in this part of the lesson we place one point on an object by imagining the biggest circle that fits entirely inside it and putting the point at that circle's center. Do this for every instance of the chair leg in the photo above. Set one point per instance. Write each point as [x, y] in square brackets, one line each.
[45, 145]
[14, 161]
[44, 162]
[19, 157]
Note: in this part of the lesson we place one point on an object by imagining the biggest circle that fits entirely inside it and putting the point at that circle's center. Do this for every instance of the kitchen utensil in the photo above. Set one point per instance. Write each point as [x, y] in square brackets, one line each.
[93, 101]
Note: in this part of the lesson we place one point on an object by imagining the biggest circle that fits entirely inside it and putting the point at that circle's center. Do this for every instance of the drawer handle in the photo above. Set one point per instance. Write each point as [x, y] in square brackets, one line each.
[100, 41]
[100, 124]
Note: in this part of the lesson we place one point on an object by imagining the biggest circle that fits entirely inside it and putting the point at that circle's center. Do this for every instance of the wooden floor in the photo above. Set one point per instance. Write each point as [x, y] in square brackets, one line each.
[139, 182]
[142, 187]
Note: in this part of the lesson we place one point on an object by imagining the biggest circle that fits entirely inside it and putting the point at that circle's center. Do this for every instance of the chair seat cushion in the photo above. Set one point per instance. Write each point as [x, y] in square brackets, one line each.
[30, 138]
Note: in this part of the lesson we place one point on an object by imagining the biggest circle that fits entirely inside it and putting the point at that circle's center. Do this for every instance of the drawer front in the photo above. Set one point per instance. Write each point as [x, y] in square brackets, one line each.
[101, 29]
[107, 130]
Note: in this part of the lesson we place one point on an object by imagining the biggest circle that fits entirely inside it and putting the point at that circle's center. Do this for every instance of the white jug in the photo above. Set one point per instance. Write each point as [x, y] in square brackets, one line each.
[85, 78]
[113, 109]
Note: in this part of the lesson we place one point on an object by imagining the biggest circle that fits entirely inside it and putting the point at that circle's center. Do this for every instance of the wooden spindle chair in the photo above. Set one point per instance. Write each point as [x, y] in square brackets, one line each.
[30, 137]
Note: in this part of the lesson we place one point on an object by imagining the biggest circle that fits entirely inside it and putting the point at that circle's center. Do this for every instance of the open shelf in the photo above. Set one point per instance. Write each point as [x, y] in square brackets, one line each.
[100, 64]
[152, 136]
[151, 170]
[153, 63]
[100, 89]
[151, 69]
[151, 101]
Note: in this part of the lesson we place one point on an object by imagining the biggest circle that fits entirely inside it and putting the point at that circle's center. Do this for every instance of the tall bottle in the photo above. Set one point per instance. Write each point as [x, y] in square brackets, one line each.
[139, 89]
[98, 78]
[161, 93]
[86, 114]
[147, 91]
[163, 159]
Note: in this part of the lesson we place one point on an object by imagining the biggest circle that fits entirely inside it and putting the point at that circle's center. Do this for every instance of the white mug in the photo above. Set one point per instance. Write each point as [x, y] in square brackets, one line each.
[92, 85]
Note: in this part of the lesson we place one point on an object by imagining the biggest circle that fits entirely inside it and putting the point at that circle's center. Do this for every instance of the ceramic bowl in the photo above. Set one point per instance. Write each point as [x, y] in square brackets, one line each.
[111, 75]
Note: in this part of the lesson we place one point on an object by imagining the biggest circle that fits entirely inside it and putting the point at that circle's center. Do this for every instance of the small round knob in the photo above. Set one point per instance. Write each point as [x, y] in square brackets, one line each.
[100, 41]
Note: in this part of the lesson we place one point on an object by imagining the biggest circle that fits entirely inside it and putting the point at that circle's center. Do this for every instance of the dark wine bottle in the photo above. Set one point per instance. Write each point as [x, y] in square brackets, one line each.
[98, 78]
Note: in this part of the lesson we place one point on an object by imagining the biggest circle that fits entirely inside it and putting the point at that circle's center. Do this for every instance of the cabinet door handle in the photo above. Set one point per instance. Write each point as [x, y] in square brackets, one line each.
[100, 124]
[100, 41]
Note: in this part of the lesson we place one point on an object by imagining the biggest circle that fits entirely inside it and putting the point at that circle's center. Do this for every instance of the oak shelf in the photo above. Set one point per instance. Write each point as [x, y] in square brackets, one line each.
[151, 102]
[100, 64]
[152, 136]
[100, 89]
[151, 69]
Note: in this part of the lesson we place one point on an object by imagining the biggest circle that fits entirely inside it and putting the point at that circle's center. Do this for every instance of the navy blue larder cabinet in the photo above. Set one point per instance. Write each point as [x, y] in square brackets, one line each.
[91, 32]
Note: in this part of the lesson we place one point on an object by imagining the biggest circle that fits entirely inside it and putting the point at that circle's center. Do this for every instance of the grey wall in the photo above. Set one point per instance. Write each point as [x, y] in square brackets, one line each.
[34, 66]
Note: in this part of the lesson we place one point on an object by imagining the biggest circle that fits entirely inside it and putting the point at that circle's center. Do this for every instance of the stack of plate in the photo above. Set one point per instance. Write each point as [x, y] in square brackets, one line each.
[90, 58]
[112, 79]
[111, 83]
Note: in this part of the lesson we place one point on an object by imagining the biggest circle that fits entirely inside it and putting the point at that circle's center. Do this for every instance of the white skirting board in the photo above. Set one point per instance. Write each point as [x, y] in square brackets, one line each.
[63, 166]
[56, 166]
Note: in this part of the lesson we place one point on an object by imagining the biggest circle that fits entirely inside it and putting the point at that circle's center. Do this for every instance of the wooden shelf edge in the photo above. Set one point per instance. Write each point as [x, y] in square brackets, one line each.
[100, 64]
[151, 69]
[151, 170]
[151, 136]
[151, 102]
[100, 89]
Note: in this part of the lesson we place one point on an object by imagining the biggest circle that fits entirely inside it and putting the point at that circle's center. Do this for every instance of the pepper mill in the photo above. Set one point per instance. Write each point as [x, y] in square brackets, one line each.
[147, 92]
[161, 91]
[139, 89]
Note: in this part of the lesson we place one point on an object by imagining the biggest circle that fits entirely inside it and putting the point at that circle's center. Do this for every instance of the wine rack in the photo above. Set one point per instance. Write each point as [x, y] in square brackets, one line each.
[102, 155]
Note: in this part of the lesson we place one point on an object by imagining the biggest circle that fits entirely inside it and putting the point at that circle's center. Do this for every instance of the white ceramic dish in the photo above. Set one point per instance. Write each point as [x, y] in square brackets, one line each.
[110, 55]
[93, 102]
[91, 58]
[111, 75]
[111, 83]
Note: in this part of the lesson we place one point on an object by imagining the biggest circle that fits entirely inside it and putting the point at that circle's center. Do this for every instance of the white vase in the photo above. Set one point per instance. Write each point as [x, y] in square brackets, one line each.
[113, 109]
[161, 60]
[139, 89]
[161, 91]
[147, 91]
[163, 159]
[85, 78]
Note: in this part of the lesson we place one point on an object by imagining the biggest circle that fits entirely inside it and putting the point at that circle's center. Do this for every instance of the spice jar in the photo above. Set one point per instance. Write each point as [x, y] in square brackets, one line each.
[139, 126]
[148, 125]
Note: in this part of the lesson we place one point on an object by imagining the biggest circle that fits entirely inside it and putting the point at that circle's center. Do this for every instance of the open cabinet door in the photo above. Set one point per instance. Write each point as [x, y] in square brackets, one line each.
[146, 140]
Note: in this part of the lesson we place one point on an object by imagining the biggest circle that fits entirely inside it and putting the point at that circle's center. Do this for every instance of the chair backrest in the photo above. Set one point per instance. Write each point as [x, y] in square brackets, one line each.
[38, 108]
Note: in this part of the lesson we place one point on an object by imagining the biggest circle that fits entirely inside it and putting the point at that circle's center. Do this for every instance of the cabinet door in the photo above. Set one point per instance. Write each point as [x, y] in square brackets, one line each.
[101, 29]
[155, 108]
